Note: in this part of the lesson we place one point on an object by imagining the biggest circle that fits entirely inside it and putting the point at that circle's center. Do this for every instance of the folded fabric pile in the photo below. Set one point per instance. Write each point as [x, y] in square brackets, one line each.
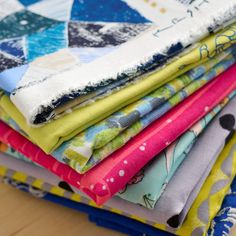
[123, 109]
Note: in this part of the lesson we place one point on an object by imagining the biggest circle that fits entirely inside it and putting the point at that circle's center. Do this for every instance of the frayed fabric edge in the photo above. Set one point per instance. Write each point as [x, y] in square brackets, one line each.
[215, 22]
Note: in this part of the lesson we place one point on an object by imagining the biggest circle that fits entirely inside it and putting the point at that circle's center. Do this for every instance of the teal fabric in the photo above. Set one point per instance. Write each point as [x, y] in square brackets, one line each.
[147, 186]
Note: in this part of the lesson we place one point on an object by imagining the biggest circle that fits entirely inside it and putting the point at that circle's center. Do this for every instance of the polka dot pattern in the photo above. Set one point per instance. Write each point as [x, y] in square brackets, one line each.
[121, 173]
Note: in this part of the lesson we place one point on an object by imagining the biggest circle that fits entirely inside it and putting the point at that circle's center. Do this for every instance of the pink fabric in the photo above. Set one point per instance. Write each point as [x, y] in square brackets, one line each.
[103, 181]
[34, 153]
[112, 174]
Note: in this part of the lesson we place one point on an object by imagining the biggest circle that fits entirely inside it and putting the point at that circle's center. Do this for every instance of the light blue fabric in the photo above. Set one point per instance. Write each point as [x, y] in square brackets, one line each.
[10, 78]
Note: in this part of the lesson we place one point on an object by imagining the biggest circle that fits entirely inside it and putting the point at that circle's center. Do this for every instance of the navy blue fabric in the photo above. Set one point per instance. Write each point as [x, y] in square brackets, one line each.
[103, 215]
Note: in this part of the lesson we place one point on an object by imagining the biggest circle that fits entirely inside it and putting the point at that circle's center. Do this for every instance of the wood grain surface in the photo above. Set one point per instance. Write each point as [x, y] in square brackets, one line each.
[24, 215]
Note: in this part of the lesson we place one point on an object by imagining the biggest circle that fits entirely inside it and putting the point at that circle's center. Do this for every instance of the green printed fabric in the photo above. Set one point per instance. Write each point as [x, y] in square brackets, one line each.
[94, 144]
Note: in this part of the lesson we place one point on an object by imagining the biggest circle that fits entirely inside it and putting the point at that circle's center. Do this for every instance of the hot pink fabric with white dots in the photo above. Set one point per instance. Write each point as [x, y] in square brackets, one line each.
[110, 176]
[114, 173]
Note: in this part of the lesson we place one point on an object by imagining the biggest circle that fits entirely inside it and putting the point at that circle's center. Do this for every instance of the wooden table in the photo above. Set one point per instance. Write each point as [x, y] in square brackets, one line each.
[24, 215]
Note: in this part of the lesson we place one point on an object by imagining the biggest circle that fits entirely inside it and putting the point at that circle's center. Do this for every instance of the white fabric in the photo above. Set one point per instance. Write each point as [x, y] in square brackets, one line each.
[183, 23]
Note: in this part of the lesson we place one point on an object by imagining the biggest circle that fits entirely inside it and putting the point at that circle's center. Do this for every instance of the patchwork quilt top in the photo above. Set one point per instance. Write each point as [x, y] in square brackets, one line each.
[60, 49]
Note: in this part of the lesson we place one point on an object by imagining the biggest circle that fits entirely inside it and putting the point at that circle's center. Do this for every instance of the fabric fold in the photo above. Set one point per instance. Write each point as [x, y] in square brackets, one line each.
[52, 135]
[94, 181]
[149, 184]
[48, 140]
[127, 113]
[222, 170]
[127, 161]
[93, 145]
[181, 26]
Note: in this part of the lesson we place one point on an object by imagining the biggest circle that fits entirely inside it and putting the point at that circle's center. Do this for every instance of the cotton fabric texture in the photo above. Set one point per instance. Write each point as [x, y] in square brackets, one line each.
[206, 206]
[146, 187]
[100, 134]
[126, 103]
[66, 32]
[93, 183]
[179, 195]
[224, 220]
[97, 142]
[123, 224]
[127, 161]
[95, 215]
[71, 124]
[140, 189]
[222, 172]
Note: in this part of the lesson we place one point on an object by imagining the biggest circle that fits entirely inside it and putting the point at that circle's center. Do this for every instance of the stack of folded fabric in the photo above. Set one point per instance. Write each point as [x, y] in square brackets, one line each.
[123, 109]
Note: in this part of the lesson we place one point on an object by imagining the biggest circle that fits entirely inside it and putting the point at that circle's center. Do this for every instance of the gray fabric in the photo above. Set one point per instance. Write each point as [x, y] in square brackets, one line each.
[185, 184]
[195, 191]
[187, 181]
[126, 207]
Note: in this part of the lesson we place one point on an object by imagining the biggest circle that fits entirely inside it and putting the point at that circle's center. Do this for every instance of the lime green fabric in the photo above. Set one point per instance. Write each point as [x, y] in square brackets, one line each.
[52, 135]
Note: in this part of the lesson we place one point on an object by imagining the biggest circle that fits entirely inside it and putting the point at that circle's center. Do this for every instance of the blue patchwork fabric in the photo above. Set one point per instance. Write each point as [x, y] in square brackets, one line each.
[13, 47]
[89, 34]
[37, 32]
[28, 2]
[40, 28]
[46, 42]
[105, 11]
[23, 23]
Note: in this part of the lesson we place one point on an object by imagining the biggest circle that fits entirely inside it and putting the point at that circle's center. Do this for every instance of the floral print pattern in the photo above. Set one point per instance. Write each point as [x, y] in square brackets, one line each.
[91, 146]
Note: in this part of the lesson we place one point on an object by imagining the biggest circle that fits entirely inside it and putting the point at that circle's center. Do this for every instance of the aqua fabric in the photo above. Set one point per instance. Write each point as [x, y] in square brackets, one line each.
[146, 187]
[43, 42]
[17, 24]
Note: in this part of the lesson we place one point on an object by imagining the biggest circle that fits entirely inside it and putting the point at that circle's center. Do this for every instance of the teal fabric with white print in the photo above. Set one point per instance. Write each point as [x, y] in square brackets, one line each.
[147, 186]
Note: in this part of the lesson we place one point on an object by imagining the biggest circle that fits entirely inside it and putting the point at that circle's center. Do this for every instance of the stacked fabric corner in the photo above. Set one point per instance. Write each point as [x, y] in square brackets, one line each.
[123, 109]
